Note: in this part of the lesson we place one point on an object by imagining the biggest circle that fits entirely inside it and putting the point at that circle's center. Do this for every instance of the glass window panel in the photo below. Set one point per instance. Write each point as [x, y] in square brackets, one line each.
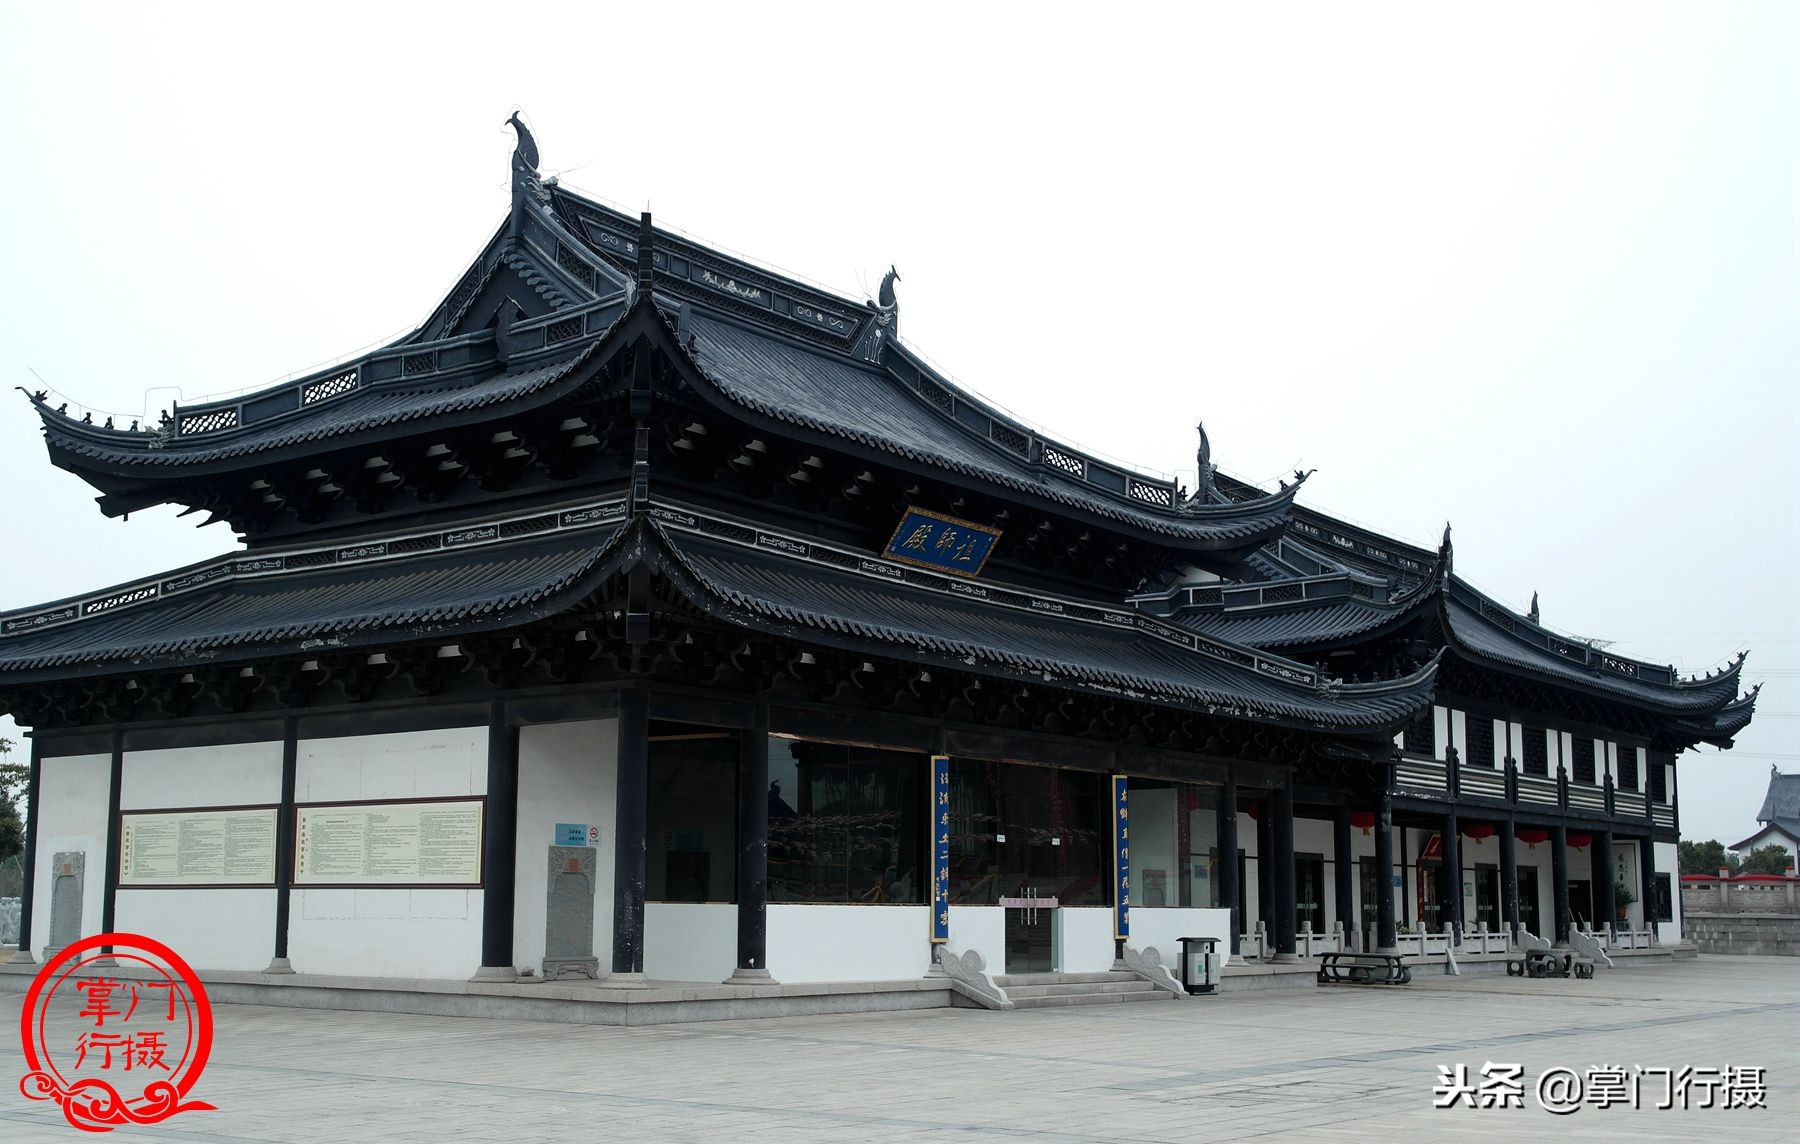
[846, 824]
[691, 819]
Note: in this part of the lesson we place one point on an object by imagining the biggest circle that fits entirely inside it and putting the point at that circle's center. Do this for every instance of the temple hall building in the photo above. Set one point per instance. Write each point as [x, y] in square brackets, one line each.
[647, 614]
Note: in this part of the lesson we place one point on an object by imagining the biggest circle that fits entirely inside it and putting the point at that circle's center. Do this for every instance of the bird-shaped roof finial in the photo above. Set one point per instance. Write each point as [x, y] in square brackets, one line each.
[1533, 614]
[1203, 483]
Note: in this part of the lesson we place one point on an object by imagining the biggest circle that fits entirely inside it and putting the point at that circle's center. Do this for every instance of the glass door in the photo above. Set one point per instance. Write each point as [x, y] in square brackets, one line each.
[1487, 896]
[1309, 893]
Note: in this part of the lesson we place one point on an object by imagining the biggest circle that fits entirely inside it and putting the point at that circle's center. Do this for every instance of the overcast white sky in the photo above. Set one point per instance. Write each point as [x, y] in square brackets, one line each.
[1532, 271]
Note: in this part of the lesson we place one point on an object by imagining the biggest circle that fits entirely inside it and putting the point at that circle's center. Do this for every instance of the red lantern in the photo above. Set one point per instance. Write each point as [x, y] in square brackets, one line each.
[1254, 810]
[1363, 820]
[1579, 838]
[1478, 829]
[1531, 835]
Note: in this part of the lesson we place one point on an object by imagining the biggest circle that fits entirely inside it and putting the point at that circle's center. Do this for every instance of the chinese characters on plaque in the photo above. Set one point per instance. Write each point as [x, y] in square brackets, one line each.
[940, 848]
[942, 543]
[395, 843]
[1121, 859]
[197, 848]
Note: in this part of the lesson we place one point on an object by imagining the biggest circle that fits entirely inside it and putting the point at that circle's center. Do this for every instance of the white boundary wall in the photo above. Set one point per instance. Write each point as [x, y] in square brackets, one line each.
[377, 932]
[849, 943]
[217, 928]
[568, 772]
[72, 793]
[1162, 928]
[688, 941]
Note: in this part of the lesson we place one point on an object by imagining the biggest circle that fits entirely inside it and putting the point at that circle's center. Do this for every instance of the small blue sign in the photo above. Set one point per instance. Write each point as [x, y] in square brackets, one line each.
[940, 848]
[942, 543]
[1121, 858]
[571, 834]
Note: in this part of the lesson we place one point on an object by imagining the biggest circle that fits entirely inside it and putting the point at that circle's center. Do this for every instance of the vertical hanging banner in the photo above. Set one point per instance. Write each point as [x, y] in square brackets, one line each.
[1121, 859]
[940, 848]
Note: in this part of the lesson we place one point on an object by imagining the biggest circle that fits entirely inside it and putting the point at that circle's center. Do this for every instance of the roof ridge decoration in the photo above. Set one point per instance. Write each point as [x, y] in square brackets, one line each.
[1297, 685]
[525, 179]
[790, 546]
[259, 565]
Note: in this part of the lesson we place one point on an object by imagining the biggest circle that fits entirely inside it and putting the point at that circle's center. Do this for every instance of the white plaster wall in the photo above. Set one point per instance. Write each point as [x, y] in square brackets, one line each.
[235, 774]
[687, 941]
[1668, 861]
[568, 772]
[849, 943]
[72, 798]
[981, 928]
[1087, 938]
[1163, 928]
[386, 933]
[210, 929]
[431, 933]
[411, 764]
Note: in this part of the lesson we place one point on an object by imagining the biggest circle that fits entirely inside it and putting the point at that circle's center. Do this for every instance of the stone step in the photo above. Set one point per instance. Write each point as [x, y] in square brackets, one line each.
[1153, 994]
[1074, 988]
[1007, 981]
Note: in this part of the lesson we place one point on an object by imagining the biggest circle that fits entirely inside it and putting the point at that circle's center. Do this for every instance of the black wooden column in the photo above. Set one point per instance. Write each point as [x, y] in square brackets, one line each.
[1343, 866]
[1559, 881]
[1230, 893]
[1450, 878]
[1646, 863]
[1265, 866]
[1282, 834]
[284, 843]
[1601, 878]
[629, 855]
[753, 850]
[1386, 936]
[33, 782]
[1509, 881]
[500, 842]
[113, 831]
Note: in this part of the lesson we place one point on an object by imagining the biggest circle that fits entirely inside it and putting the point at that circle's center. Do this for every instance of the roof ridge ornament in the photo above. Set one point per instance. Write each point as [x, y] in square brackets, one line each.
[1204, 468]
[1446, 554]
[887, 304]
[525, 180]
[1533, 614]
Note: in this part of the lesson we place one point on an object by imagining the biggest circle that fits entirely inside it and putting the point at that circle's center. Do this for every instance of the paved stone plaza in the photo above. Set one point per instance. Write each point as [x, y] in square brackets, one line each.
[1298, 1064]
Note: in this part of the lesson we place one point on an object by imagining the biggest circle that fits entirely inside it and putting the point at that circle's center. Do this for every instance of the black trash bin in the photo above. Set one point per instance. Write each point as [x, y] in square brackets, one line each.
[1199, 964]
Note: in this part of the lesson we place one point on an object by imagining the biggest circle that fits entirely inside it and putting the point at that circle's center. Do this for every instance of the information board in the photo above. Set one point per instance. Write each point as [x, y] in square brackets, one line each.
[197, 847]
[389, 844]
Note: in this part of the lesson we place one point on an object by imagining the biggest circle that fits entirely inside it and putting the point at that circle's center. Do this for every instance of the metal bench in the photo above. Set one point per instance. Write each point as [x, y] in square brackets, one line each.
[1363, 969]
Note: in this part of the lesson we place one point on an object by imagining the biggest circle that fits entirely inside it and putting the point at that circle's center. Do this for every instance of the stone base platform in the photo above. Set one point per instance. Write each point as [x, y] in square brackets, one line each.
[565, 1002]
[669, 1002]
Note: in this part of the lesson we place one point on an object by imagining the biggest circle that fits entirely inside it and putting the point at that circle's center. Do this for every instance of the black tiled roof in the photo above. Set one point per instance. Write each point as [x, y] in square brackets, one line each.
[1782, 803]
[1273, 627]
[863, 403]
[1480, 638]
[440, 593]
[771, 590]
[372, 408]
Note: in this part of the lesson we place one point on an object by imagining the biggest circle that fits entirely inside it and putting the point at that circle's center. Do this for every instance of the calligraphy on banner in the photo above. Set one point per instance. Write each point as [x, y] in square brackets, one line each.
[940, 848]
[942, 543]
[1121, 859]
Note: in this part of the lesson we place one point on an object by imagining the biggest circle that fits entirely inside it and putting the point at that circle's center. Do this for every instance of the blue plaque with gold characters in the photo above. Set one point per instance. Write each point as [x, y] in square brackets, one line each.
[1121, 859]
[942, 543]
[940, 848]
